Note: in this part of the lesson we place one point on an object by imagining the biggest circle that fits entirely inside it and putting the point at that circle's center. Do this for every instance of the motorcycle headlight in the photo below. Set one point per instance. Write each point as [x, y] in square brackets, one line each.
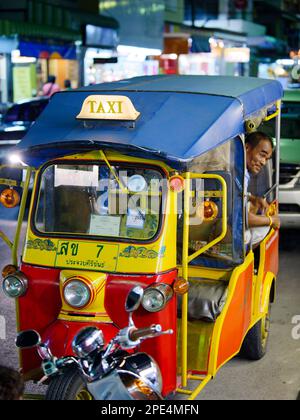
[156, 297]
[15, 285]
[77, 294]
[87, 341]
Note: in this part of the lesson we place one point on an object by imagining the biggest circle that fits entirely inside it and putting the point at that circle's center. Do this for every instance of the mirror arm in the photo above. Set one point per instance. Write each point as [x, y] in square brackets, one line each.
[131, 322]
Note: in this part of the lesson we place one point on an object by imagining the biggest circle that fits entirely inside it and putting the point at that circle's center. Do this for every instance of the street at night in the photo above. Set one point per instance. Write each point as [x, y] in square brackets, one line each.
[149, 202]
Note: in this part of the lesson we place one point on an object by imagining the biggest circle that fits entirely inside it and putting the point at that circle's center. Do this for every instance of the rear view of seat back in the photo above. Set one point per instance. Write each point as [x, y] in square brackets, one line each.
[206, 299]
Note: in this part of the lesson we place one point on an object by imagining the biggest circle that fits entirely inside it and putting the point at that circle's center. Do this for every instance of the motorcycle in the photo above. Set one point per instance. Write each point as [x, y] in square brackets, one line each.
[99, 371]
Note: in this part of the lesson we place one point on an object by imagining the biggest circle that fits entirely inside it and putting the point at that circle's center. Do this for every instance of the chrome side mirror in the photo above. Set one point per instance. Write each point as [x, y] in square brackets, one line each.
[134, 299]
[28, 339]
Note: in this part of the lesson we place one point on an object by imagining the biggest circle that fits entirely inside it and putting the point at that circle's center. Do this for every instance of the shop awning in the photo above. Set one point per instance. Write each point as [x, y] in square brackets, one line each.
[46, 32]
[32, 30]
[43, 50]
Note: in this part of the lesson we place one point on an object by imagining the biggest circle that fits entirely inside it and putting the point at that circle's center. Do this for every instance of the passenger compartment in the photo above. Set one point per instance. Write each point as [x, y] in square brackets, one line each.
[206, 300]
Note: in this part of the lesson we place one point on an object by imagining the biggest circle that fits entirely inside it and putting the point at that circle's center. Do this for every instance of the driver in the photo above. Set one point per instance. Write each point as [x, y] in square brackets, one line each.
[259, 149]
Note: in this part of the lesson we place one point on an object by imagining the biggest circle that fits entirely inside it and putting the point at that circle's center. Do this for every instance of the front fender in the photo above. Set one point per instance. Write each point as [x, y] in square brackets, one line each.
[109, 388]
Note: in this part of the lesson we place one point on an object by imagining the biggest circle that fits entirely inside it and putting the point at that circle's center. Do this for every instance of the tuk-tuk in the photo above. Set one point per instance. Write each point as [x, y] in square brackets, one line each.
[142, 182]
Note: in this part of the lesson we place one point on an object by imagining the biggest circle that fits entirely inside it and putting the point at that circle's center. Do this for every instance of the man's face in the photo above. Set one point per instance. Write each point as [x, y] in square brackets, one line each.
[258, 156]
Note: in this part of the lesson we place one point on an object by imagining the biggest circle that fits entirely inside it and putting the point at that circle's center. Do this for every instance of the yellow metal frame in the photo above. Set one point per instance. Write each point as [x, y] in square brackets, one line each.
[186, 259]
[276, 113]
[13, 246]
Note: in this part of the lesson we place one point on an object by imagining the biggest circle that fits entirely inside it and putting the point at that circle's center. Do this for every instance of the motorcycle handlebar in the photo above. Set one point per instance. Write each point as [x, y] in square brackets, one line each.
[145, 332]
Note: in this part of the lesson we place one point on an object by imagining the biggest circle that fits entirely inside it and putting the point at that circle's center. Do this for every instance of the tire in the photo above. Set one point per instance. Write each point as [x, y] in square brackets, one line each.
[255, 343]
[69, 386]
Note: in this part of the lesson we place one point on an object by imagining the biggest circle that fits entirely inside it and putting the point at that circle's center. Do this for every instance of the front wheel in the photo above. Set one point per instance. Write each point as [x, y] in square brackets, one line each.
[255, 343]
[69, 386]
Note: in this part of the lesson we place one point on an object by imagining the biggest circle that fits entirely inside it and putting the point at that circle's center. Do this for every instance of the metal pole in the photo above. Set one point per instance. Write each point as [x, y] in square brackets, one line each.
[21, 217]
[278, 129]
[185, 275]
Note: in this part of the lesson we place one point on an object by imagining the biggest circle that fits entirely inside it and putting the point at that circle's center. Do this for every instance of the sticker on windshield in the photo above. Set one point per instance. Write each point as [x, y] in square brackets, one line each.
[105, 225]
[136, 219]
[77, 177]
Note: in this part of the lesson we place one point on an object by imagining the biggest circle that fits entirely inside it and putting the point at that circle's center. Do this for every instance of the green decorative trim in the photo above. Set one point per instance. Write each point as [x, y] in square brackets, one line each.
[142, 252]
[42, 245]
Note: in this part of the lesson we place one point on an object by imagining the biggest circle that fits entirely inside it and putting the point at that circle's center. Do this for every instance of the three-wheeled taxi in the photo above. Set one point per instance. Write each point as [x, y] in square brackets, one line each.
[142, 182]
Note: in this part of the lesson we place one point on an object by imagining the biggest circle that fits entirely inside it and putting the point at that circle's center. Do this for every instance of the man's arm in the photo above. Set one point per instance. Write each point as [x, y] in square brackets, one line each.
[259, 203]
[255, 220]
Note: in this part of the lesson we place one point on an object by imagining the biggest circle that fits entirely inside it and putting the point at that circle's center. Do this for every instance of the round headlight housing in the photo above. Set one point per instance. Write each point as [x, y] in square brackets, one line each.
[15, 285]
[137, 183]
[156, 297]
[77, 294]
[87, 341]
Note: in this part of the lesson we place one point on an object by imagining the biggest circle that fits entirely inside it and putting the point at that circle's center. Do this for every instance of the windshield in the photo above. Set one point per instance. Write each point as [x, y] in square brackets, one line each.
[93, 200]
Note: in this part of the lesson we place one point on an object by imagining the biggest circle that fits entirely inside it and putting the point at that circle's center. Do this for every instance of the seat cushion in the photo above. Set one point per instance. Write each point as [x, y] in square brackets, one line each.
[206, 299]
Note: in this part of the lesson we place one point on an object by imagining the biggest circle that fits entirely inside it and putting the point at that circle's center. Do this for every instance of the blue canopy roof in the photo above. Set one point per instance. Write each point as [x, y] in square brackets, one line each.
[181, 117]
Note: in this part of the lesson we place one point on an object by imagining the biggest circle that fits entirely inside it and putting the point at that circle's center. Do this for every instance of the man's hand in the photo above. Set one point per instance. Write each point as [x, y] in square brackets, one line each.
[276, 222]
[260, 204]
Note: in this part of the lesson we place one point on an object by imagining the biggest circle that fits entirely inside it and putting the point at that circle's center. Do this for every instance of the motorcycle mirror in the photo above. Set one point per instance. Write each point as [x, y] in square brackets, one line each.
[28, 339]
[134, 299]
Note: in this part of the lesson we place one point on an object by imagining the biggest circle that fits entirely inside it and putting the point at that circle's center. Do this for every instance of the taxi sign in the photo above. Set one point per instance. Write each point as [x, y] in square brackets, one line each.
[108, 107]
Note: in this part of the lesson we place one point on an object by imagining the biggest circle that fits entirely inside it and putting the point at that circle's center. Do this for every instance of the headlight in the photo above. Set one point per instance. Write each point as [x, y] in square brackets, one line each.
[156, 297]
[77, 294]
[87, 341]
[15, 285]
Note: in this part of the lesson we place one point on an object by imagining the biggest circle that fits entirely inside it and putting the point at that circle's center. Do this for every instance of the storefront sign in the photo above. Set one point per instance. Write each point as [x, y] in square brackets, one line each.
[237, 55]
[98, 37]
[108, 107]
[24, 82]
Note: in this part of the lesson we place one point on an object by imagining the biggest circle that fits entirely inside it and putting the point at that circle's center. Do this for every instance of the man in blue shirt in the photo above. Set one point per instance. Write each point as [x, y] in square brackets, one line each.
[259, 149]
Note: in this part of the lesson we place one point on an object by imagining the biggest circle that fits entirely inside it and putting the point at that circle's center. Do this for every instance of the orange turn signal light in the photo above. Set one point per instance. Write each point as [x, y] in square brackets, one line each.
[8, 269]
[176, 183]
[208, 210]
[10, 198]
[181, 286]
